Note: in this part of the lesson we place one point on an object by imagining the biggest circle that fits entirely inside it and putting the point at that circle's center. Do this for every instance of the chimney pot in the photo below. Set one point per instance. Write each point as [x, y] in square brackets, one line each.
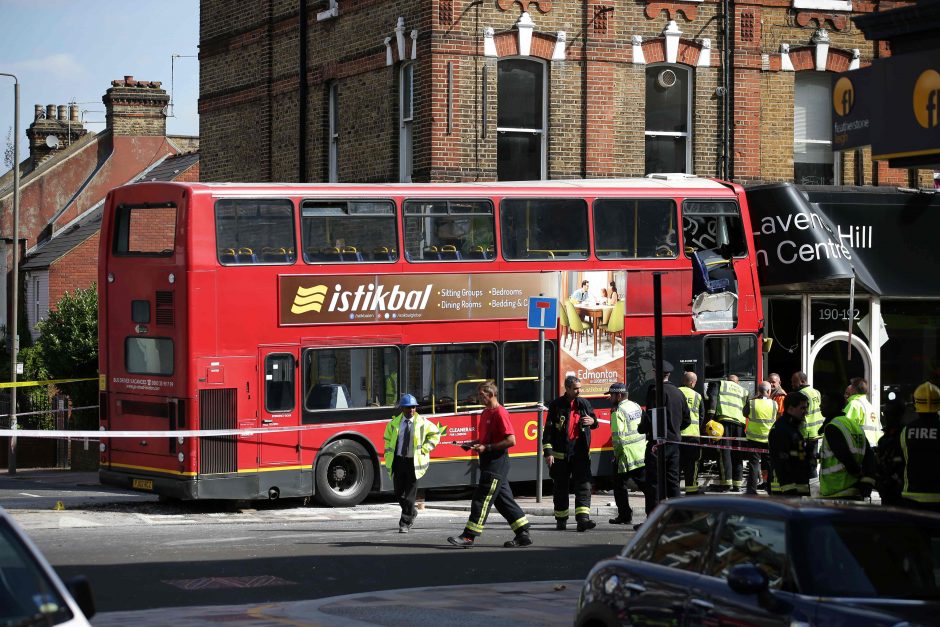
[63, 113]
[73, 112]
[50, 112]
[37, 114]
[129, 81]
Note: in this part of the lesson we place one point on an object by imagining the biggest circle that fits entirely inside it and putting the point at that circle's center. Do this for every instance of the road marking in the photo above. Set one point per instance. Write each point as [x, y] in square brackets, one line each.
[215, 583]
[35, 496]
[202, 541]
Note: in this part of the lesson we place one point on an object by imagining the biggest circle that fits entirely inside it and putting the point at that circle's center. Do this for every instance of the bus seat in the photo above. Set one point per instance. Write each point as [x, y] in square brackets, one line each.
[383, 253]
[479, 252]
[227, 255]
[450, 251]
[331, 253]
[328, 396]
[275, 255]
[432, 253]
[246, 255]
[350, 253]
[701, 281]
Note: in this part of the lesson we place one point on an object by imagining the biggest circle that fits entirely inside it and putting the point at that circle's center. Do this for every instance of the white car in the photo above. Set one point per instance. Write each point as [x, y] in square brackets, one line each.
[30, 591]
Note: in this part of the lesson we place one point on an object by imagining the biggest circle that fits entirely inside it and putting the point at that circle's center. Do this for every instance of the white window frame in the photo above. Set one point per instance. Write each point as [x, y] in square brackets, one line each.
[406, 103]
[543, 131]
[690, 113]
[834, 155]
[333, 157]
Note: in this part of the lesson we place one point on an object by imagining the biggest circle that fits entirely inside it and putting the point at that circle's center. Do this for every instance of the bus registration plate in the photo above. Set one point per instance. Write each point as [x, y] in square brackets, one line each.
[142, 484]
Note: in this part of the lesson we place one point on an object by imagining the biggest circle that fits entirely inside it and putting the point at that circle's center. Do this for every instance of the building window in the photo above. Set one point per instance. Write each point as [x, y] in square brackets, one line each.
[405, 119]
[668, 119]
[334, 133]
[812, 129]
[520, 125]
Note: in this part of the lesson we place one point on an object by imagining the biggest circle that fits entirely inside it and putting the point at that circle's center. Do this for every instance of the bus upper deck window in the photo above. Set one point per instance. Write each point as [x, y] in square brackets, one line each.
[357, 231]
[715, 225]
[635, 228]
[449, 230]
[145, 231]
[250, 231]
[553, 229]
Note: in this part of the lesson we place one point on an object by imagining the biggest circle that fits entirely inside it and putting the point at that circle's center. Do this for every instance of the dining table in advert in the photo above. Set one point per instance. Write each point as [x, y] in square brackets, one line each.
[596, 313]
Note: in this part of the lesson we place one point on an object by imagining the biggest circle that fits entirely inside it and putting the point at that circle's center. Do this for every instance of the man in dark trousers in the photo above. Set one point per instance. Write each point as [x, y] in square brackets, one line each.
[678, 418]
[495, 438]
[789, 458]
[566, 444]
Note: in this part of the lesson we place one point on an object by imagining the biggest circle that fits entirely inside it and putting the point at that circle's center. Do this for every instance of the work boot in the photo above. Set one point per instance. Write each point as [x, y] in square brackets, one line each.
[403, 528]
[718, 488]
[619, 521]
[586, 524]
[463, 541]
[561, 524]
[522, 539]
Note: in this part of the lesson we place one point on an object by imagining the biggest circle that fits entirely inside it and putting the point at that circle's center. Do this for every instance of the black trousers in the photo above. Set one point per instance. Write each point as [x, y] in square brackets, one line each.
[731, 463]
[753, 478]
[564, 472]
[622, 494]
[493, 490]
[670, 451]
[406, 488]
[689, 457]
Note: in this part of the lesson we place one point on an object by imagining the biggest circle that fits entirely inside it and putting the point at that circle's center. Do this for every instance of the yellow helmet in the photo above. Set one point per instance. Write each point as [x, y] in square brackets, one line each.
[714, 429]
[926, 398]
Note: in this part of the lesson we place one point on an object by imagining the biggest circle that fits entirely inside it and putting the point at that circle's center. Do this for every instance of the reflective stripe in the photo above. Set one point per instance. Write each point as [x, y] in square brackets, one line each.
[522, 522]
[561, 513]
[478, 524]
[581, 510]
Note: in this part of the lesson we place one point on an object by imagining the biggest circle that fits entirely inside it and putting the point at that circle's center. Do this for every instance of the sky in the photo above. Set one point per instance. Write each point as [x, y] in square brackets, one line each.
[70, 50]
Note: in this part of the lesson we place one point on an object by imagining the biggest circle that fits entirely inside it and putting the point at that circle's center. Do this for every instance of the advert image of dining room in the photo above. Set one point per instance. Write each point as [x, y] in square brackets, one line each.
[591, 318]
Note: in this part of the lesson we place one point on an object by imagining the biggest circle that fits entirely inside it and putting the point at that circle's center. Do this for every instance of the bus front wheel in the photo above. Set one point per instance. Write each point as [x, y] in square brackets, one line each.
[344, 474]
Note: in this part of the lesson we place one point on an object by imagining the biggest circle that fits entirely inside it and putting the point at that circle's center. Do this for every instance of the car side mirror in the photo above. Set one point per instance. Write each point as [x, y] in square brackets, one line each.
[80, 590]
[747, 579]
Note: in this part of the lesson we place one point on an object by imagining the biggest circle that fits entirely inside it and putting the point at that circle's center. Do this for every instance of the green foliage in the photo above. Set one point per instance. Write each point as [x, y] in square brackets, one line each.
[36, 398]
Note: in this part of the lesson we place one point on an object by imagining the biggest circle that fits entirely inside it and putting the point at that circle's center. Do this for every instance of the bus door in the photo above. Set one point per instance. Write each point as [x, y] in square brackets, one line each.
[279, 407]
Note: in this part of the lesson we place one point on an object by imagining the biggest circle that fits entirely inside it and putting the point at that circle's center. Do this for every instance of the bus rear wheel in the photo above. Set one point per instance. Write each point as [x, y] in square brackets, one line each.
[344, 474]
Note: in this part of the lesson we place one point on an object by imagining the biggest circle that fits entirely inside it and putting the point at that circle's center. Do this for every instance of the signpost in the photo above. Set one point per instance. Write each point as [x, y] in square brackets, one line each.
[543, 314]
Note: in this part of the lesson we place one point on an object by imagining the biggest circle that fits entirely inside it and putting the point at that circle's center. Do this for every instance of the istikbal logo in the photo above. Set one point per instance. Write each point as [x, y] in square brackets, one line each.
[364, 298]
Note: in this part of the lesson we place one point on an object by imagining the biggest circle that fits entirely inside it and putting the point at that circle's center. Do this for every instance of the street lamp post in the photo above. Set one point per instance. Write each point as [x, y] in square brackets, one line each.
[14, 337]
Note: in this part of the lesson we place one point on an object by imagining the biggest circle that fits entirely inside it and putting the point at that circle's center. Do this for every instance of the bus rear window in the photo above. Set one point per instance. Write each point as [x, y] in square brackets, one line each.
[349, 231]
[713, 225]
[553, 229]
[627, 228]
[146, 231]
[255, 231]
[148, 355]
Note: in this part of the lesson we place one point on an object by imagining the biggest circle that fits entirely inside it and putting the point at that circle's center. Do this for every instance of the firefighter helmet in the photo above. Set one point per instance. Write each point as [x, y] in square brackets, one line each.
[926, 398]
[714, 429]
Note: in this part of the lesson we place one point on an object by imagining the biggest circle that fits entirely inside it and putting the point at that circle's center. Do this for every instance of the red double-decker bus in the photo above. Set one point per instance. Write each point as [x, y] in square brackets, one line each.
[314, 307]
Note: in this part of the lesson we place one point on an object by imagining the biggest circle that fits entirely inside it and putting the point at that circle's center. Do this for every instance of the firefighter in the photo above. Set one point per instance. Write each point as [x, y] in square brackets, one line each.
[814, 417]
[920, 444]
[858, 408]
[566, 445]
[728, 404]
[762, 416]
[689, 453]
[629, 451]
[789, 460]
[847, 464]
[409, 440]
[889, 455]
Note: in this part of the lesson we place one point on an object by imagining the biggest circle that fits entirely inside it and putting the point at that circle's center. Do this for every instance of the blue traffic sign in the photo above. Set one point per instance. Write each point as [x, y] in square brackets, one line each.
[543, 313]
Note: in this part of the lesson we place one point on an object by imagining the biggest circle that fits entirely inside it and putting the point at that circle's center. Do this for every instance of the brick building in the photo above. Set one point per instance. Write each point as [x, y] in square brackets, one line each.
[63, 183]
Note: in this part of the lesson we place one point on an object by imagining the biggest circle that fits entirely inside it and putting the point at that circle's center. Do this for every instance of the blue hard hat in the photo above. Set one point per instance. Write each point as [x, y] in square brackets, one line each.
[407, 400]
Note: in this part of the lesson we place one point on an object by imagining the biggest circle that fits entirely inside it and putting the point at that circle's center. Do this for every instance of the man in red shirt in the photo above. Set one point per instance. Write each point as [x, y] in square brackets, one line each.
[495, 438]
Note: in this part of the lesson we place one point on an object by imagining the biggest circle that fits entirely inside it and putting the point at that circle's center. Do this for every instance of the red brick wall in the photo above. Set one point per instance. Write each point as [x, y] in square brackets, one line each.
[77, 268]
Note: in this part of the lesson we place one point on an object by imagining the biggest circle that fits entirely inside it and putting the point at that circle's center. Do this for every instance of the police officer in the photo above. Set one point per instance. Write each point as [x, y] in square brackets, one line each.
[689, 453]
[566, 445]
[789, 461]
[846, 461]
[762, 416]
[629, 450]
[728, 404]
[814, 418]
[858, 408]
[920, 444]
[409, 440]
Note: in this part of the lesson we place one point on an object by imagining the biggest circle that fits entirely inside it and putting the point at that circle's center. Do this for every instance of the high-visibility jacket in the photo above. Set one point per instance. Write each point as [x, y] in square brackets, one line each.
[391, 388]
[732, 398]
[762, 418]
[920, 444]
[814, 417]
[694, 399]
[860, 410]
[424, 435]
[835, 480]
[629, 443]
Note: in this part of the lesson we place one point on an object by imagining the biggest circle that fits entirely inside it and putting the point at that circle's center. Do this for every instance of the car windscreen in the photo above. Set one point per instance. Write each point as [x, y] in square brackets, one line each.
[870, 559]
[27, 596]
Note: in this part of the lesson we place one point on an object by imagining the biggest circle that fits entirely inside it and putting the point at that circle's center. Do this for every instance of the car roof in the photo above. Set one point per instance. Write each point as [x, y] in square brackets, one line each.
[805, 508]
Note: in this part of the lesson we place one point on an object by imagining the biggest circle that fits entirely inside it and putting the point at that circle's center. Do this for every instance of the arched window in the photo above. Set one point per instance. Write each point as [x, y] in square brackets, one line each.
[812, 129]
[521, 117]
[668, 119]
[405, 119]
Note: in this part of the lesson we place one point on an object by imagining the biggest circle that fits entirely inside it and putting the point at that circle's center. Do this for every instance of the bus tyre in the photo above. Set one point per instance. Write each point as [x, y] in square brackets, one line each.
[344, 474]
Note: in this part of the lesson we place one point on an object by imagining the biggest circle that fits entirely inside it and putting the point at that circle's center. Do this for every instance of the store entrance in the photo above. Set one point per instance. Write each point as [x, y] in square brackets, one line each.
[831, 368]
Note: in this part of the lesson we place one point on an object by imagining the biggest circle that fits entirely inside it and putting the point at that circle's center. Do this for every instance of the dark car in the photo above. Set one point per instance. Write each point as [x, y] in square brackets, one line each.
[757, 561]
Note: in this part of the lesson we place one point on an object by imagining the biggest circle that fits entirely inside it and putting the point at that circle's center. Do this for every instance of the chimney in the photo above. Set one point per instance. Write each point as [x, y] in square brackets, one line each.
[54, 129]
[136, 107]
